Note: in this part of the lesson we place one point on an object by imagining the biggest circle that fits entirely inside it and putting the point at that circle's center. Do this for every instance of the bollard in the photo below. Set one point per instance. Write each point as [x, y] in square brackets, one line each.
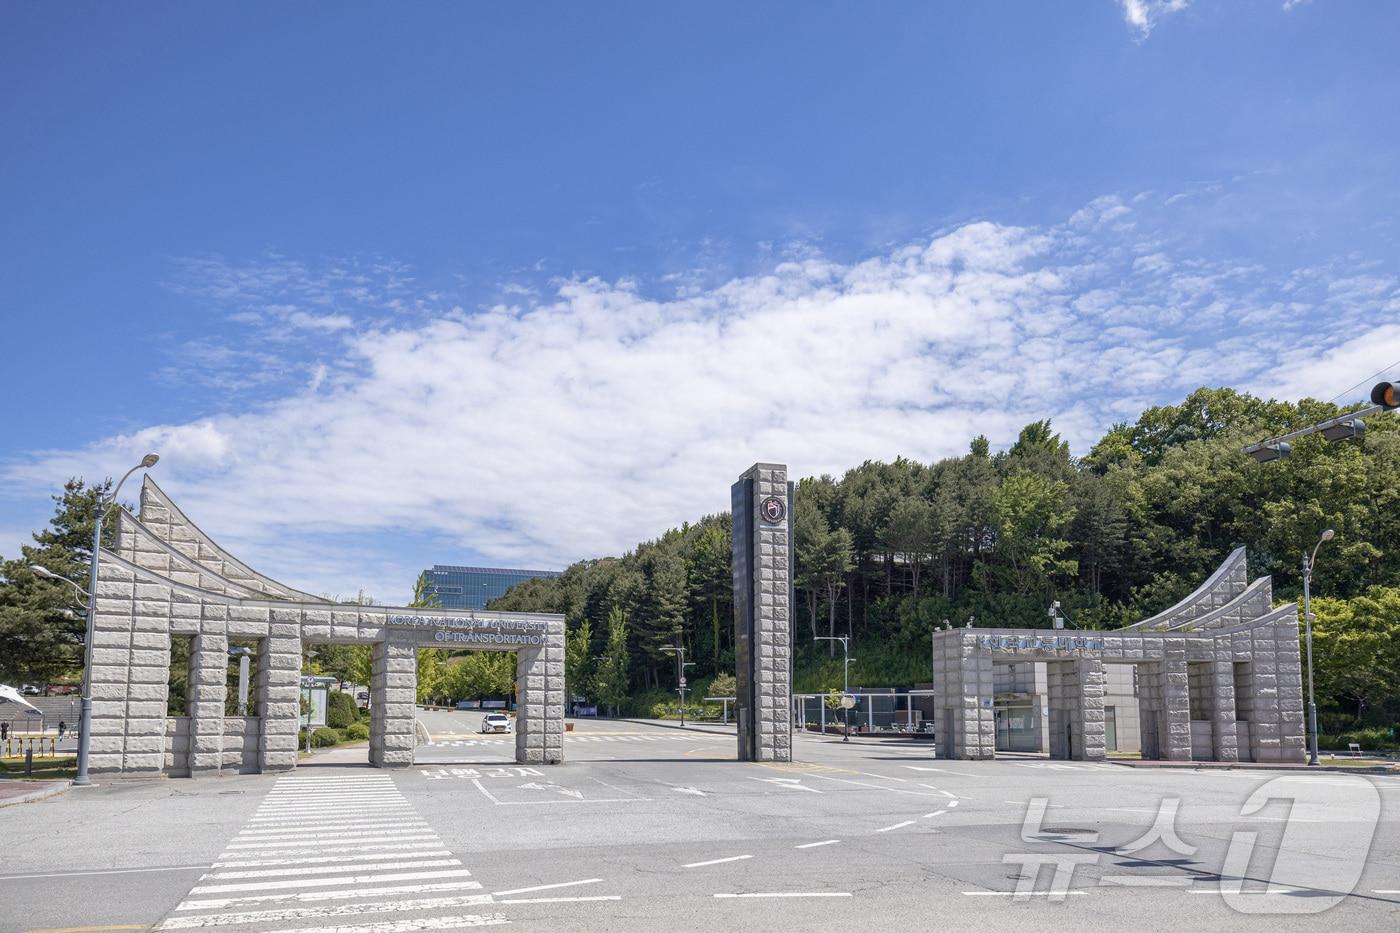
[29, 761]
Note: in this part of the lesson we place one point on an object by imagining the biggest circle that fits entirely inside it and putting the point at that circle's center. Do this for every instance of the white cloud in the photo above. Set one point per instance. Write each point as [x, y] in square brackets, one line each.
[1144, 15]
[577, 424]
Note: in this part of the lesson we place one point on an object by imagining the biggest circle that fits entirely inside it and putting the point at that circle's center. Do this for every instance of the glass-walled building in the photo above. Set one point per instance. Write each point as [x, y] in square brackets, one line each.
[474, 587]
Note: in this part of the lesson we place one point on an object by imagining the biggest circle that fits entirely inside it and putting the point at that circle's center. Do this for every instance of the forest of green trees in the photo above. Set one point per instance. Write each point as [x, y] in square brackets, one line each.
[888, 551]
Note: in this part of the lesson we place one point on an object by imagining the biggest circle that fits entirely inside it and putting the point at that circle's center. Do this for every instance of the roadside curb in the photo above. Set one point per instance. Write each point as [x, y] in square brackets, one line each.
[53, 790]
[688, 727]
[1253, 766]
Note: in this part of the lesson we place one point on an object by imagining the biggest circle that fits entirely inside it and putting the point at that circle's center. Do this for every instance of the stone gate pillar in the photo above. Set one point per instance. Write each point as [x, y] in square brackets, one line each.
[1224, 729]
[278, 692]
[204, 701]
[762, 550]
[393, 691]
[539, 687]
[964, 689]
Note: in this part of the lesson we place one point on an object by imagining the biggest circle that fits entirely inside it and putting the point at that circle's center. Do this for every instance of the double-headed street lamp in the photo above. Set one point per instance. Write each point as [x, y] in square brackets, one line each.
[85, 721]
[1309, 560]
[846, 660]
[681, 665]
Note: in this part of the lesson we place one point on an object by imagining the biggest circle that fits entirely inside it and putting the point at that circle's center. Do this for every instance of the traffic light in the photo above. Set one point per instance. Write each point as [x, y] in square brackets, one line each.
[1354, 429]
[1385, 395]
[1272, 452]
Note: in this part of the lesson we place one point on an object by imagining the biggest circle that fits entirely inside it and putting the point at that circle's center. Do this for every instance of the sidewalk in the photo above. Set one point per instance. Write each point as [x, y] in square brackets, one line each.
[17, 792]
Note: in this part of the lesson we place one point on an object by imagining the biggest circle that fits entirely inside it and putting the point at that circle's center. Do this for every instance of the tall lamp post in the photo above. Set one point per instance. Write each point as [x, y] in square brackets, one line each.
[682, 664]
[85, 718]
[1308, 562]
[846, 660]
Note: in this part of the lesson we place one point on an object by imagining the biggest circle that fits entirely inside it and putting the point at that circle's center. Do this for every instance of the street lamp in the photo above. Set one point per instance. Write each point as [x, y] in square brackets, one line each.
[311, 654]
[85, 720]
[1308, 561]
[681, 665]
[845, 641]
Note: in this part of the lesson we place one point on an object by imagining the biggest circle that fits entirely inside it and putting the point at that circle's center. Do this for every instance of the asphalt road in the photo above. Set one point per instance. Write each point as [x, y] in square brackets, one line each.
[649, 828]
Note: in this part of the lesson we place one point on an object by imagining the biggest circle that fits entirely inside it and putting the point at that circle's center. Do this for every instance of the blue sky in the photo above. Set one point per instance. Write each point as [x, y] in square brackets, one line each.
[390, 285]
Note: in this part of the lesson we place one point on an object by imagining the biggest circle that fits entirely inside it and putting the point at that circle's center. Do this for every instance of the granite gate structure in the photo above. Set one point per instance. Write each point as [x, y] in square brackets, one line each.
[763, 600]
[1218, 678]
[167, 579]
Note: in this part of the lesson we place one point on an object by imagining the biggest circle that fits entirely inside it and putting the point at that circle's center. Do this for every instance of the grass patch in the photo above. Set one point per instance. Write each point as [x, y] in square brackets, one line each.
[64, 767]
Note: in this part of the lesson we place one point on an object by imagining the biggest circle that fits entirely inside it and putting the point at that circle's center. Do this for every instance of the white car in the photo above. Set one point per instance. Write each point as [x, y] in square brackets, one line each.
[496, 722]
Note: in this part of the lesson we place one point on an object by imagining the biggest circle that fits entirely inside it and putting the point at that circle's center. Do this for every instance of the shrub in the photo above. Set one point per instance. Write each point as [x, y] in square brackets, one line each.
[342, 711]
[324, 738]
[356, 731]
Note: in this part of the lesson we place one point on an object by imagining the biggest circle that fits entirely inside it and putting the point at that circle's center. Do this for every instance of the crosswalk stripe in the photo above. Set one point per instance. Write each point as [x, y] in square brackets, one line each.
[326, 859]
[373, 878]
[285, 871]
[412, 926]
[323, 913]
[342, 894]
[302, 843]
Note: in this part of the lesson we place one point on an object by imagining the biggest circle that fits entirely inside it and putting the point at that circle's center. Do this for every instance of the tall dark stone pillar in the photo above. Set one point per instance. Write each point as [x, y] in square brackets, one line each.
[763, 599]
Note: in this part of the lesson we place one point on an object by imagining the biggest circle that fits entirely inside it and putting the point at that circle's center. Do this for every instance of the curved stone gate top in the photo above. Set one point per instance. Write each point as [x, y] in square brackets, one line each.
[167, 578]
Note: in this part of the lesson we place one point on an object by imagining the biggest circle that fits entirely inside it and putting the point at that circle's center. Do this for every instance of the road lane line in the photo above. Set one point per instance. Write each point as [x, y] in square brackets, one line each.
[718, 861]
[896, 826]
[103, 871]
[789, 894]
[335, 835]
[559, 900]
[929, 816]
[548, 887]
[813, 845]
[1019, 893]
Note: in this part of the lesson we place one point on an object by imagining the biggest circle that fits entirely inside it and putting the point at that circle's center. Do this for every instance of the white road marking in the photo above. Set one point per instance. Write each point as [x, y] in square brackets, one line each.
[323, 859]
[312, 896]
[1017, 894]
[559, 900]
[321, 913]
[1384, 891]
[284, 871]
[1245, 893]
[939, 770]
[929, 816]
[813, 845]
[375, 878]
[1145, 881]
[340, 827]
[896, 826]
[548, 887]
[378, 832]
[104, 871]
[791, 894]
[789, 783]
[718, 861]
[890, 790]
[411, 926]
[305, 843]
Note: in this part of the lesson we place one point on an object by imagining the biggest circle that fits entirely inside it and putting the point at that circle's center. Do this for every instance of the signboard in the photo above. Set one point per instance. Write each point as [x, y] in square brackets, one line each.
[848, 701]
[682, 681]
[1039, 643]
[471, 630]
